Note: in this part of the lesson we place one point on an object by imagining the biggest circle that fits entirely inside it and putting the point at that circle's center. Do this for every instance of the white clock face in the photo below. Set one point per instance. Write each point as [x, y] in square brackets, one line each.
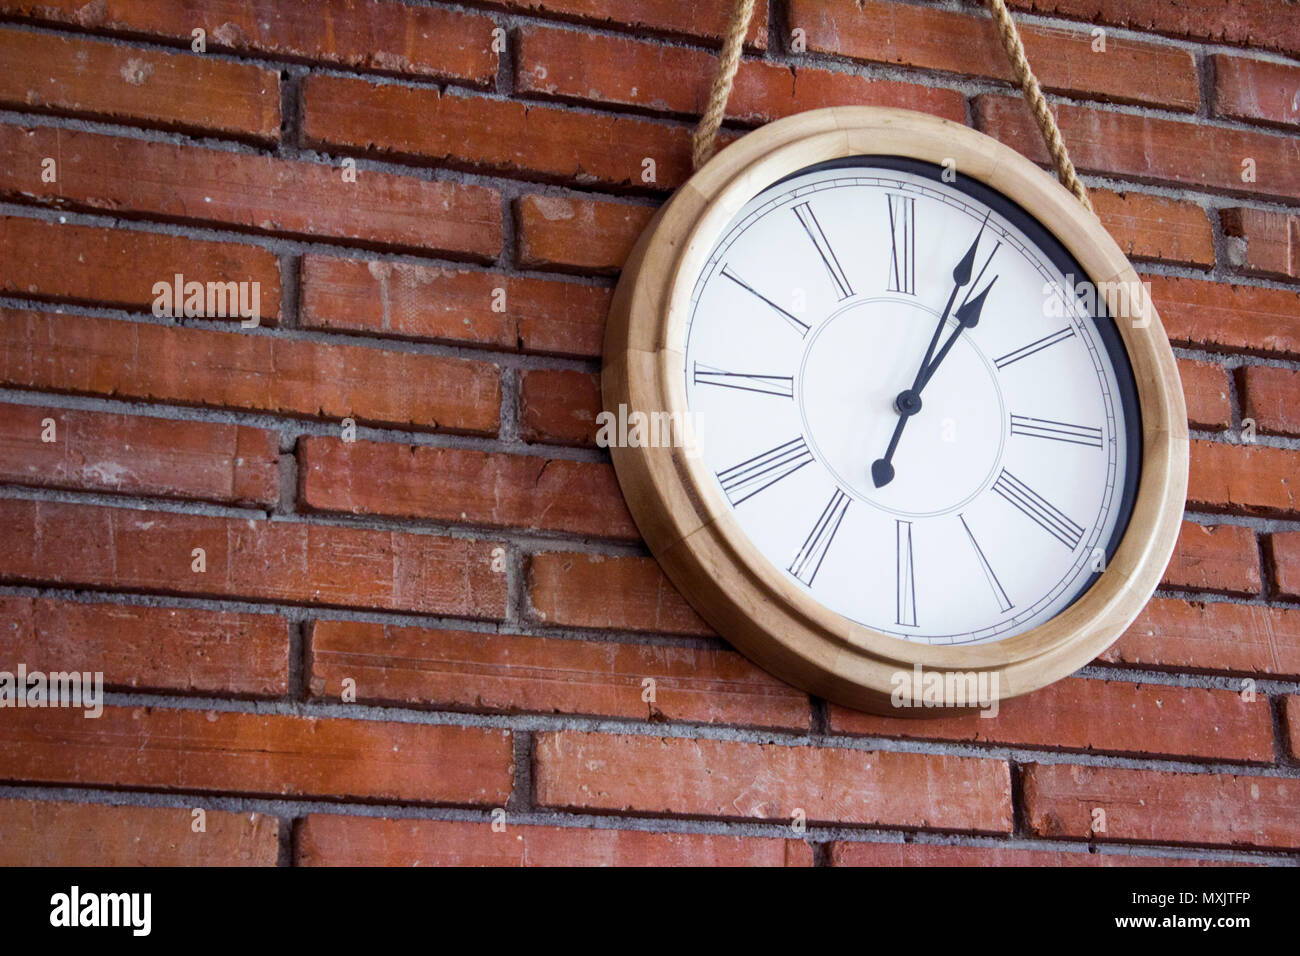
[912, 413]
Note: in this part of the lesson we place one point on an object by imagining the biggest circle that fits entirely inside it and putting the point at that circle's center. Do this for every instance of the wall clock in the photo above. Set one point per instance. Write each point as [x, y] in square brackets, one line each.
[936, 426]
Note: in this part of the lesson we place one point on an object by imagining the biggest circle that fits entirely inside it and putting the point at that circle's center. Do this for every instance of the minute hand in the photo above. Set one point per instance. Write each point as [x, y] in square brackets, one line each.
[960, 276]
[882, 471]
[967, 316]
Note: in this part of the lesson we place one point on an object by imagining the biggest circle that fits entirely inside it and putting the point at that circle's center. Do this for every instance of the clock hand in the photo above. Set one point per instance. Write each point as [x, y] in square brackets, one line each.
[908, 402]
[960, 276]
[968, 316]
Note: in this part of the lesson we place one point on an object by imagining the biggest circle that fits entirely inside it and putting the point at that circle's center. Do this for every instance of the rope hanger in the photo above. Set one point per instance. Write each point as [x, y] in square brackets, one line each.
[705, 139]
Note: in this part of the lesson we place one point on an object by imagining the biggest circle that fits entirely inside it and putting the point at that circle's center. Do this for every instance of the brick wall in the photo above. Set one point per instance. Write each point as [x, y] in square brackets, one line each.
[467, 563]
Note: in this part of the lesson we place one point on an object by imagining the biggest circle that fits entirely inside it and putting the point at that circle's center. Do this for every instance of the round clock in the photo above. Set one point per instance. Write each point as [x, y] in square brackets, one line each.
[920, 425]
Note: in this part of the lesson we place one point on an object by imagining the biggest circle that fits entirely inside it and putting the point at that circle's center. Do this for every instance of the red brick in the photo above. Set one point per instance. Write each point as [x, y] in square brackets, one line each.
[158, 648]
[1148, 148]
[1223, 559]
[1291, 719]
[1271, 398]
[1286, 563]
[577, 234]
[1149, 806]
[149, 362]
[436, 304]
[573, 65]
[264, 754]
[506, 135]
[1129, 71]
[50, 833]
[1243, 479]
[1206, 389]
[1235, 318]
[1255, 90]
[1097, 716]
[1245, 639]
[131, 177]
[1270, 241]
[461, 485]
[58, 543]
[326, 840]
[1156, 228]
[79, 77]
[721, 778]
[386, 36]
[510, 672]
[619, 593]
[117, 267]
[557, 405]
[569, 234]
[709, 19]
[931, 854]
[1264, 24]
[96, 451]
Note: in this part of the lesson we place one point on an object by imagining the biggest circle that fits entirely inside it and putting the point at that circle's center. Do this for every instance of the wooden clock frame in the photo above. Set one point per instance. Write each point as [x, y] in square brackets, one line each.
[683, 516]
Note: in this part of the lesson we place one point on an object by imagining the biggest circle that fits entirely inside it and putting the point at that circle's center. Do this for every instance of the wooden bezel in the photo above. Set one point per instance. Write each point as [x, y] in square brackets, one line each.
[683, 516]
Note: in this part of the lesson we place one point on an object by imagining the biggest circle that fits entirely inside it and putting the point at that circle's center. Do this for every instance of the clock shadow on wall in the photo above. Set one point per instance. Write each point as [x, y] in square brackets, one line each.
[1102, 321]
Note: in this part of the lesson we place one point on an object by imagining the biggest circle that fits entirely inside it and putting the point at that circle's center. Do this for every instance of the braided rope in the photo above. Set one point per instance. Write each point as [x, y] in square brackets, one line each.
[705, 139]
[1028, 84]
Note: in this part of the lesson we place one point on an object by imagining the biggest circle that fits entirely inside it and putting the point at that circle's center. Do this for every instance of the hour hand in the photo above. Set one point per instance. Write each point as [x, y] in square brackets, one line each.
[967, 316]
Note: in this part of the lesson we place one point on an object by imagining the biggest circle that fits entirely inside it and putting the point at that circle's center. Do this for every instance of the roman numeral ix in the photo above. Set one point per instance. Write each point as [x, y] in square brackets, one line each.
[741, 482]
[1041, 511]
[810, 224]
[808, 560]
[1056, 431]
[782, 385]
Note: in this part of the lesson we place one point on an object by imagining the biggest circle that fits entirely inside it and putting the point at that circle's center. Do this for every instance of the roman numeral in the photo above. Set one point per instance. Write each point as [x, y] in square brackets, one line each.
[906, 575]
[1043, 513]
[1056, 431]
[842, 288]
[1003, 601]
[800, 327]
[741, 482]
[1033, 347]
[902, 237]
[808, 560]
[782, 385]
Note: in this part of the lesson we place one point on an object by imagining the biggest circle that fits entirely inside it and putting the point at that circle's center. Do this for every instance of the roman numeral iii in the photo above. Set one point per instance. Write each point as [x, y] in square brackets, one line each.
[741, 482]
[1056, 431]
[808, 561]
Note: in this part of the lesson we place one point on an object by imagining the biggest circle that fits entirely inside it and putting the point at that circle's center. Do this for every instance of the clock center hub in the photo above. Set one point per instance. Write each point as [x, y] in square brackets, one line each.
[855, 383]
